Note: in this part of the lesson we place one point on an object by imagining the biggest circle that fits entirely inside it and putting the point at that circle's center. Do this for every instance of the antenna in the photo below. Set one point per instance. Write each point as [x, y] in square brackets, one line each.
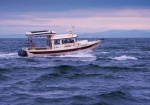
[72, 29]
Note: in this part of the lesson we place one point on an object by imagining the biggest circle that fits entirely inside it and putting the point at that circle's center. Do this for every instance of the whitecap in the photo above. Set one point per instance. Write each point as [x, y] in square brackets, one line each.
[122, 52]
[124, 57]
[8, 55]
[104, 52]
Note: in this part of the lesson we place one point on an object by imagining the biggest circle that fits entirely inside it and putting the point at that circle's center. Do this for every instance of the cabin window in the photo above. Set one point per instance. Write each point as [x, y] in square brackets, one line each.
[56, 41]
[69, 40]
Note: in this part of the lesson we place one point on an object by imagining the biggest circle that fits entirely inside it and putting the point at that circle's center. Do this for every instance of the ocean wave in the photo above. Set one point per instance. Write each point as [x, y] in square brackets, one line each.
[124, 57]
[3, 70]
[113, 94]
[58, 72]
[65, 67]
[3, 77]
[94, 65]
[8, 55]
[48, 76]
[147, 51]
[115, 68]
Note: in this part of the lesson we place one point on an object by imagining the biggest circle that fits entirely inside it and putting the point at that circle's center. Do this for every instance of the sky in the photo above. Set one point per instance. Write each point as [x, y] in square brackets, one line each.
[87, 16]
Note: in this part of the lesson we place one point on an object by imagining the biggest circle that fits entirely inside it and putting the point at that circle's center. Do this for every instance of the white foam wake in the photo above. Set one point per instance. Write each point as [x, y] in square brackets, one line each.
[82, 56]
[78, 55]
[124, 57]
[8, 55]
[105, 52]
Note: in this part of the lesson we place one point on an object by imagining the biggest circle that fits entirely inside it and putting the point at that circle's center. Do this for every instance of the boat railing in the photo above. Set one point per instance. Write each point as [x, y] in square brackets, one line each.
[93, 37]
[39, 48]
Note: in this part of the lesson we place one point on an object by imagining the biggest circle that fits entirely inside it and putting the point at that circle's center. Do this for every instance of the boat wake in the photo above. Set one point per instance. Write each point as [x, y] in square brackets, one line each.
[8, 55]
[124, 57]
[81, 56]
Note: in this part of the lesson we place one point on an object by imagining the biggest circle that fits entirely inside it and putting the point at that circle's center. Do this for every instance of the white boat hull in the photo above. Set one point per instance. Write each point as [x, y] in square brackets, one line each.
[50, 52]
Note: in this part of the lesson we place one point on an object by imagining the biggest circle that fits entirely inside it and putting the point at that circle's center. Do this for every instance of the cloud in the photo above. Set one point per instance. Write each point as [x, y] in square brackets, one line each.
[83, 13]
[67, 5]
[91, 20]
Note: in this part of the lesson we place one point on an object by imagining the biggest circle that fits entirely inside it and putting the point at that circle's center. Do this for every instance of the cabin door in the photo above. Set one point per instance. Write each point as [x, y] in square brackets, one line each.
[49, 43]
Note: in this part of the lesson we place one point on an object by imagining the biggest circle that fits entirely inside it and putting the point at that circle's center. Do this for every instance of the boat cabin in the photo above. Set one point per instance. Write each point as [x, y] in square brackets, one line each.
[54, 42]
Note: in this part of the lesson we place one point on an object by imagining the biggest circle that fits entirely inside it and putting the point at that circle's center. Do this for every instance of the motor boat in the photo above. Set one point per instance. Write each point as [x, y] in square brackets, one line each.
[61, 44]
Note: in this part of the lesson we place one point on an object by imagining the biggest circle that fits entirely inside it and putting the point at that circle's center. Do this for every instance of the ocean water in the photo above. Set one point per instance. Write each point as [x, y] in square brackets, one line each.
[117, 73]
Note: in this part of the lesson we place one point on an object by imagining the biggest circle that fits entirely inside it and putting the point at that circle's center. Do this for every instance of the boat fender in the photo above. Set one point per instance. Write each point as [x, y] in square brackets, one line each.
[22, 53]
[33, 48]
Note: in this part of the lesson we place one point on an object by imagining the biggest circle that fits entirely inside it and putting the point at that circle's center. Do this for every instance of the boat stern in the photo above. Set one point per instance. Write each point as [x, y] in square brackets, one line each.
[22, 53]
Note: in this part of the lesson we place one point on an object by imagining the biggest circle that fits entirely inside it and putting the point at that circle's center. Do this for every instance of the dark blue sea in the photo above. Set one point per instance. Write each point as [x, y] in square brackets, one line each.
[117, 73]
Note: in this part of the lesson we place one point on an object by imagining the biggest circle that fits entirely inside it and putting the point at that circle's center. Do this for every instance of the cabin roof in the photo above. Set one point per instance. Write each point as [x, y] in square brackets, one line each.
[43, 33]
[51, 34]
[63, 36]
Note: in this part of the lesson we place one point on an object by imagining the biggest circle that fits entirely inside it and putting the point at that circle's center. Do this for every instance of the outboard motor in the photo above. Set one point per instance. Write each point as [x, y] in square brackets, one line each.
[22, 53]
